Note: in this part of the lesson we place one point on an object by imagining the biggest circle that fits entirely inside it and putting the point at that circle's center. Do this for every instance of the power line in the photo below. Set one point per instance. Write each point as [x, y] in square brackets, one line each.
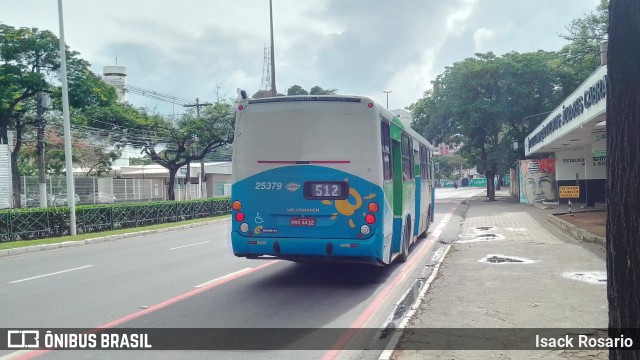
[156, 95]
[165, 97]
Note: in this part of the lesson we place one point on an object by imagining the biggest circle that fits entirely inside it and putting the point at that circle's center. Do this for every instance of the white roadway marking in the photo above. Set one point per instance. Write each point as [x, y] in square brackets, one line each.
[50, 274]
[185, 246]
[222, 277]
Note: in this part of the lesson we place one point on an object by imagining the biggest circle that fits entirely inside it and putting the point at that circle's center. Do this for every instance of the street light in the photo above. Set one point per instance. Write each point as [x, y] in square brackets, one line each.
[516, 144]
[526, 117]
[387, 92]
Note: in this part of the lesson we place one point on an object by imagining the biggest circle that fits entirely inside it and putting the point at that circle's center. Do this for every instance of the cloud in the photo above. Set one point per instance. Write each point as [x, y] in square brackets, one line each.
[481, 37]
[359, 47]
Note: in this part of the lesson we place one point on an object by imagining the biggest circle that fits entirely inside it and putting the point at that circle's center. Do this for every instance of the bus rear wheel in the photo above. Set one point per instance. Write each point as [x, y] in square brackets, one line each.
[404, 253]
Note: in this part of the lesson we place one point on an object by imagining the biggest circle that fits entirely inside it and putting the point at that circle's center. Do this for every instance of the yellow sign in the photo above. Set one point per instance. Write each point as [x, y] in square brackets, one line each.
[569, 192]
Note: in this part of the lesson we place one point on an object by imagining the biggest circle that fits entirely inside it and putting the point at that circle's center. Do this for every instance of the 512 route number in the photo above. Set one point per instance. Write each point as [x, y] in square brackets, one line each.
[268, 185]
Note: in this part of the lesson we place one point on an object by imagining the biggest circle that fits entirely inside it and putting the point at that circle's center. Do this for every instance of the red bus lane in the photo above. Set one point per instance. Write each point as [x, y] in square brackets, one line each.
[416, 256]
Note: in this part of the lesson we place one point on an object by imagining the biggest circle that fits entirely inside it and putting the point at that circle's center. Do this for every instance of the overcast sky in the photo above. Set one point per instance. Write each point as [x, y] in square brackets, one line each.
[189, 48]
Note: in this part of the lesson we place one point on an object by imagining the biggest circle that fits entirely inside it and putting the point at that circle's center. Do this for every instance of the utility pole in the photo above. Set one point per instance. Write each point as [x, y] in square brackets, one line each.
[42, 181]
[387, 92]
[67, 126]
[42, 101]
[197, 105]
[273, 51]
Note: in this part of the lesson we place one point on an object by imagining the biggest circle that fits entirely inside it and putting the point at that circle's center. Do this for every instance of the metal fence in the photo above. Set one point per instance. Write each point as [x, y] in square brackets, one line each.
[92, 190]
[31, 224]
[107, 190]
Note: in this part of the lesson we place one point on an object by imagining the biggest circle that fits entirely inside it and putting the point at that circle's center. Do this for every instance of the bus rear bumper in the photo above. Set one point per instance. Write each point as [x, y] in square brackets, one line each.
[310, 249]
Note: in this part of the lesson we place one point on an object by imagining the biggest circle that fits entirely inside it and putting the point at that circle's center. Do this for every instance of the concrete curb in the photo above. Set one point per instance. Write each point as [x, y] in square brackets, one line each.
[576, 232]
[67, 244]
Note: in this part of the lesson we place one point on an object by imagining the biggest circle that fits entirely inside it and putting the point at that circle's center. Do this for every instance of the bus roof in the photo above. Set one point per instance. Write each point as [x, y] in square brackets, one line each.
[343, 98]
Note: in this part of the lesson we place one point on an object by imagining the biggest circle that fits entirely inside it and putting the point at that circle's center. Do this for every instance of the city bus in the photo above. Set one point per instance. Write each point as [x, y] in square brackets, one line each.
[328, 178]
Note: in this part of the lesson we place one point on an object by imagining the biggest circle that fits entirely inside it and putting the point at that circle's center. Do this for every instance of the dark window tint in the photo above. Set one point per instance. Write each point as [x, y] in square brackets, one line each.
[386, 151]
[407, 157]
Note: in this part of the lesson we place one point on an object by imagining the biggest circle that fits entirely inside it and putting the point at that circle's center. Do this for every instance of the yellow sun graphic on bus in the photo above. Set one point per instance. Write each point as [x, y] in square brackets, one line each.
[345, 207]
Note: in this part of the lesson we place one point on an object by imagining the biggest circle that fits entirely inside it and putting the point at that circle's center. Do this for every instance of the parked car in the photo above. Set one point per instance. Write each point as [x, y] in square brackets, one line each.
[61, 200]
[29, 201]
[103, 198]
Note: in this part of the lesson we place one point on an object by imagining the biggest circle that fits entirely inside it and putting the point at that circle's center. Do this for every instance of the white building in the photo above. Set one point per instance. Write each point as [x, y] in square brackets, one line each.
[574, 134]
[217, 178]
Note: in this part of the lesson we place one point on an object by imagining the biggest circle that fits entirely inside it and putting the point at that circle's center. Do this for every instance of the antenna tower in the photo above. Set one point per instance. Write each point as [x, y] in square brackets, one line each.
[266, 70]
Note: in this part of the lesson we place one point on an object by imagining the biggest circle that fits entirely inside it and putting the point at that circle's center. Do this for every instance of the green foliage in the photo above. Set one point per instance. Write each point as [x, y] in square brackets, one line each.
[22, 52]
[490, 102]
[140, 161]
[191, 138]
[26, 164]
[316, 90]
[296, 90]
[582, 54]
[28, 59]
[449, 166]
[482, 101]
[93, 105]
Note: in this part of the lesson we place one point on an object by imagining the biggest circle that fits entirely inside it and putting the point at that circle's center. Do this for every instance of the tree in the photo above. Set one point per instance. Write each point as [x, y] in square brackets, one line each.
[450, 167]
[484, 101]
[24, 53]
[317, 90]
[191, 138]
[582, 55]
[28, 57]
[623, 170]
[296, 90]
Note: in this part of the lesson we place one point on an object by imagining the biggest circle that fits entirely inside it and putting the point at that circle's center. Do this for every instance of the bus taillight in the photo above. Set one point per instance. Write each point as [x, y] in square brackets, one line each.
[237, 205]
[370, 219]
[239, 216]
[373, 207]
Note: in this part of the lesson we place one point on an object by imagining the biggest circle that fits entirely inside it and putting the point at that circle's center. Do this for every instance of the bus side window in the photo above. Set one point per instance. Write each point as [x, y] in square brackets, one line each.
[407, 158]
[424, 172]
[386, 151]
[429, 162]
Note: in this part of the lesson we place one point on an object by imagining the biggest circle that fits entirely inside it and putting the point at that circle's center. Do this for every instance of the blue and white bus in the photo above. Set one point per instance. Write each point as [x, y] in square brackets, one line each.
[328, 178]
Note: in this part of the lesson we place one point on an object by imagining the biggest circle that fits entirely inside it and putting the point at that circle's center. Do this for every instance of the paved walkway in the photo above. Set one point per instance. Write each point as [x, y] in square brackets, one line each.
[559, 283]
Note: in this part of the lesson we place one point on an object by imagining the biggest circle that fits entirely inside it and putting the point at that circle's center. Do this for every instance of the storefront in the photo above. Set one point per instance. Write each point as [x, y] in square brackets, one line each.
[569, 147]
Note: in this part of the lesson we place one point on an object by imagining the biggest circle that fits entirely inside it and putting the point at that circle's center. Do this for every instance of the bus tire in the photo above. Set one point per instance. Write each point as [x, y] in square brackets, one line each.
[406, 242]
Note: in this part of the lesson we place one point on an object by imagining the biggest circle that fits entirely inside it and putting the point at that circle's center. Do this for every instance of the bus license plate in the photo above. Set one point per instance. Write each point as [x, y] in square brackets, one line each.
[302, 222]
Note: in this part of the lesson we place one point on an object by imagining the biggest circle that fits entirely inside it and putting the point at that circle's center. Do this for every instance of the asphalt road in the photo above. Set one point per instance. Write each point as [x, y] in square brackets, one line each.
[190, 279]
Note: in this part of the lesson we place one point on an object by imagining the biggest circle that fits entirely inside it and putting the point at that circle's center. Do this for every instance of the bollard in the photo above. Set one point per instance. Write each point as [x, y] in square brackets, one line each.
[569, 206]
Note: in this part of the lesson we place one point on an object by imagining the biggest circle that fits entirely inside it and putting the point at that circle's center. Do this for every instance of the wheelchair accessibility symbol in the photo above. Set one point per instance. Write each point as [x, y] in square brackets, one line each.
[258, 219]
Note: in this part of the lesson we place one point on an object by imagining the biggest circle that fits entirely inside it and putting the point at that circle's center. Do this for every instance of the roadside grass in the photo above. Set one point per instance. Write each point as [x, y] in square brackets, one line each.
[19, 244]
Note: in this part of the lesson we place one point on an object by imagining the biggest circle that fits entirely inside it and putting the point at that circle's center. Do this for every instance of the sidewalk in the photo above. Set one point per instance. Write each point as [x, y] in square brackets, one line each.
[536, 276]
